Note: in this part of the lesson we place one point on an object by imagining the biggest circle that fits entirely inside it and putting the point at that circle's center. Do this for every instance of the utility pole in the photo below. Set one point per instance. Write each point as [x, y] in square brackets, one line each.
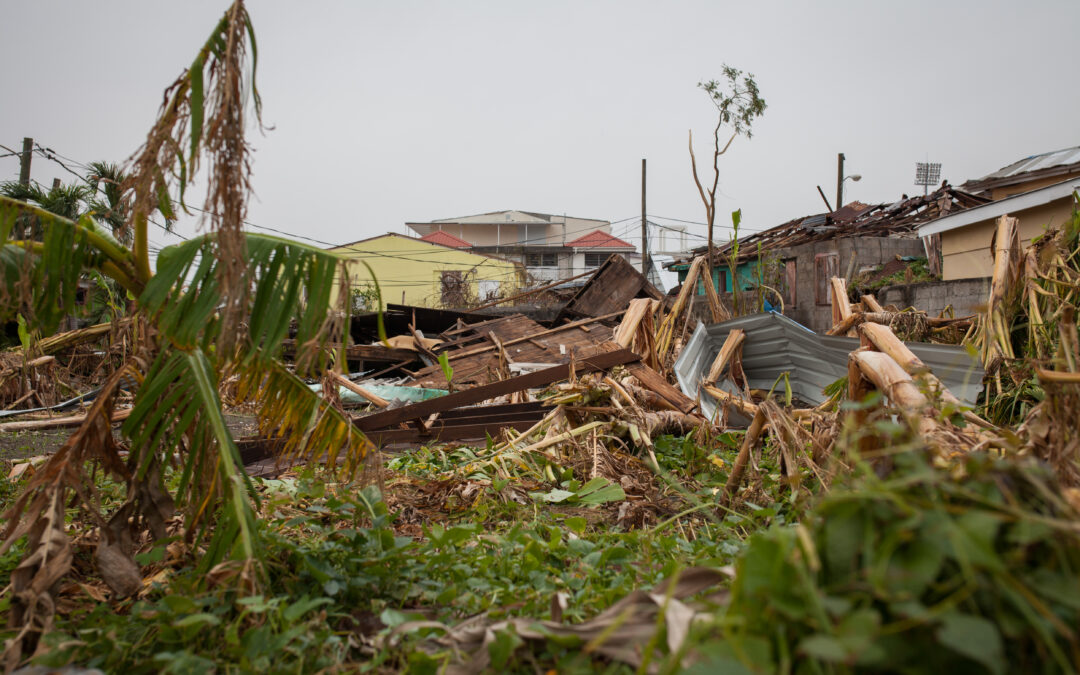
[644, 227]
[24, 160]
[839, 181]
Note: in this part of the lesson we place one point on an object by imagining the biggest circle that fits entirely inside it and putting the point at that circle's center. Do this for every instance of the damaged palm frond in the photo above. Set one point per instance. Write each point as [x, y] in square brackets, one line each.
[312, 428]
[177, 417]
[41, 277]
[203, 113]
[218, 306]
[289, 281]
[39, 513]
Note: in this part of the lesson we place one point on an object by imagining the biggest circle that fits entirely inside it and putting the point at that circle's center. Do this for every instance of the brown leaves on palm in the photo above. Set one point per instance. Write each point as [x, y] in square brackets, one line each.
[39, 514]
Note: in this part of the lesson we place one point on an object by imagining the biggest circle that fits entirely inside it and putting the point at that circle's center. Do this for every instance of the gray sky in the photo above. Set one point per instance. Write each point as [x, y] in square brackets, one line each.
[395, 111]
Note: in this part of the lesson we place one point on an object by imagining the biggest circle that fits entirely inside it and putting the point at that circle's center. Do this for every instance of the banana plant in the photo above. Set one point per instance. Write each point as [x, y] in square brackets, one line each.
[216, 307]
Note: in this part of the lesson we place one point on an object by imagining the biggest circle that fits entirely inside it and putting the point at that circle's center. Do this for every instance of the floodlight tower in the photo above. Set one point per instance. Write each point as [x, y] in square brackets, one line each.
[927, 174]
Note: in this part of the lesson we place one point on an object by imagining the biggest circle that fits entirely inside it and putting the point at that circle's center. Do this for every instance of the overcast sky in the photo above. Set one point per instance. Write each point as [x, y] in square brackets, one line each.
[388, 112]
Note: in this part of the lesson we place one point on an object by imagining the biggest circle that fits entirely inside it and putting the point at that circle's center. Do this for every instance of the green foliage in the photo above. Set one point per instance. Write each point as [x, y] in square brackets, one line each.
[917, 271]
[972, 570]
[737, 99]
[447, 369]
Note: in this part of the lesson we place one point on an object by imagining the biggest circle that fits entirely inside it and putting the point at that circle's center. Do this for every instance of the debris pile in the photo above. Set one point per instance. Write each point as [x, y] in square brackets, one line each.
[910, 323]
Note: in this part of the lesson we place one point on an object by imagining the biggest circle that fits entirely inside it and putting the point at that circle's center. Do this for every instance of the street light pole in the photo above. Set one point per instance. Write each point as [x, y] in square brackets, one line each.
[839, 181]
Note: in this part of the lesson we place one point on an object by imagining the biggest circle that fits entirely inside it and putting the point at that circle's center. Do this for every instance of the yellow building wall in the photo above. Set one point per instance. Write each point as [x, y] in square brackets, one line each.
[966, 252]
[410, 271]
[1010, 190]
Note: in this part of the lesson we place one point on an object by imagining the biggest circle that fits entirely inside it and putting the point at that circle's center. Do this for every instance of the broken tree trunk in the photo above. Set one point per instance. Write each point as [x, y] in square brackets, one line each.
[884, 340]
[841, 306]
[750, 440]
[731, 345]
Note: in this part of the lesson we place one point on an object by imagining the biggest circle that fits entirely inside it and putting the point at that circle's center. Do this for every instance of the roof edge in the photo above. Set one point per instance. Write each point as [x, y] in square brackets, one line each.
[1024, 200]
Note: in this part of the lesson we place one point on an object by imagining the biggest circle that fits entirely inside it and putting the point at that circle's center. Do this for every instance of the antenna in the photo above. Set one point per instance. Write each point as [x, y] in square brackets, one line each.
[927, 173]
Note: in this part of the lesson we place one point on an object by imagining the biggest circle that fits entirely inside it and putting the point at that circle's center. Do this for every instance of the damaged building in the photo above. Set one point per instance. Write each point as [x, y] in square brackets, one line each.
[793, 262]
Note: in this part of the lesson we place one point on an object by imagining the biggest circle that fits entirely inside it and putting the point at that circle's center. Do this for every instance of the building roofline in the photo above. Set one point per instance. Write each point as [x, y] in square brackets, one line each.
[536, 214]
[1020, 202]
[427, 243]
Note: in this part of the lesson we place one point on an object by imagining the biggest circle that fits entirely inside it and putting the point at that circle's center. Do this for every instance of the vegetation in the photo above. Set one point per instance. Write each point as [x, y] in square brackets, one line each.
[217, 306]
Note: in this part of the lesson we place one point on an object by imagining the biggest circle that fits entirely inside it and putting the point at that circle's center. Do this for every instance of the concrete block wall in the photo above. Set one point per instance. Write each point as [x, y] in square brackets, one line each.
[868, 251]
[966, 296]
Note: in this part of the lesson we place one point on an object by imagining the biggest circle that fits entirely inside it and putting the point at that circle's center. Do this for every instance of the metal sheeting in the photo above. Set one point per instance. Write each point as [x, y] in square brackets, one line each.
[1046, 160]
[775, 344]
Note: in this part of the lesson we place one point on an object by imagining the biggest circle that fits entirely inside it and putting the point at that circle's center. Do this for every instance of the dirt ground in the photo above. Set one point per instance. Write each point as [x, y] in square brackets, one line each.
[23, 444]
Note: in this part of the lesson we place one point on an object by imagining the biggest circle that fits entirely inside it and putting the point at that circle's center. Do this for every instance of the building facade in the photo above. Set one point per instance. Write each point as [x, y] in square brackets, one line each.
[411, 271]
[549, 247]
[967, 237]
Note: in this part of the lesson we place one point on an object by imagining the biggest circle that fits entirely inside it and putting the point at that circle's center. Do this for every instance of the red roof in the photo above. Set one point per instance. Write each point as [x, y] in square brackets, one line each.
[598, 239]
[445, 239]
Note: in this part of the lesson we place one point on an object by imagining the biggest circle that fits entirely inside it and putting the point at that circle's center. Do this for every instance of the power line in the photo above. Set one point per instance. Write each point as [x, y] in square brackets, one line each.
[47, 154]
[694, 222]
[347, 247]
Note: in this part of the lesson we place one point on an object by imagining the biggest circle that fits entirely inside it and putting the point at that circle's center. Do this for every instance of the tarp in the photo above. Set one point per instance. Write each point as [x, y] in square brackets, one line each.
[776, 344]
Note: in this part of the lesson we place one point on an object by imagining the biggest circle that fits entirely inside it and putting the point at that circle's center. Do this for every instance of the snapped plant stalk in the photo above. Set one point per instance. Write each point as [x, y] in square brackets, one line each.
[218, 305]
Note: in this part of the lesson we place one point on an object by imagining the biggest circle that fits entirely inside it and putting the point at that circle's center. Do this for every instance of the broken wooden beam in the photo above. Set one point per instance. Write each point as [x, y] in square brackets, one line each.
[655, 382]
[540, 378]
[360, 391]
[58, 422]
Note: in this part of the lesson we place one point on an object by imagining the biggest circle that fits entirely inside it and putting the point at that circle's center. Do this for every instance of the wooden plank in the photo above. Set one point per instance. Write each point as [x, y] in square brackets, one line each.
[551, 331]
[654, 381]
[445, 434]
[616, 283]
[364, 352]
[360, 391]
[489, 391]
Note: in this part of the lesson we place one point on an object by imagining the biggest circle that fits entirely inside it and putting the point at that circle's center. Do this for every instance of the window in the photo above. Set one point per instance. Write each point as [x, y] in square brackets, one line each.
[595, 259]
[826, 266]
[541, 260]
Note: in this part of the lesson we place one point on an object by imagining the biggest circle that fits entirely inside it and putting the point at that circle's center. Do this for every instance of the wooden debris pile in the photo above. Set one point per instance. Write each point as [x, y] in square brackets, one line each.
[910, 324]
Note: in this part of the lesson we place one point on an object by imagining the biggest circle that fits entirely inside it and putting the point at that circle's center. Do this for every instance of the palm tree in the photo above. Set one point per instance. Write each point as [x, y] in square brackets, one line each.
[218, 305]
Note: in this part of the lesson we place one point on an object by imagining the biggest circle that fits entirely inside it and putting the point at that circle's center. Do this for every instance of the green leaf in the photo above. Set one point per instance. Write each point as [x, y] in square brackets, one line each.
[24, 335]
[503, 647]
[302, 607]
[200, 619]
[600, 491]
[556, 496]
[447, 370]
[824, 647]
[195, 76]
[577, 524]
[973, 637]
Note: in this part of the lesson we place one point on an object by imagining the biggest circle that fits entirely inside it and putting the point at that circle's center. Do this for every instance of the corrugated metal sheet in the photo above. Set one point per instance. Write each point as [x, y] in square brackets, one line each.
[776, 344]
[1037, 163]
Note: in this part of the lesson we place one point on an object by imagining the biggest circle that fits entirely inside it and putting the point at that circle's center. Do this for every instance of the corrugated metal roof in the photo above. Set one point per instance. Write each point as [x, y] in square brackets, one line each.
[1036, 163]
[775, 344]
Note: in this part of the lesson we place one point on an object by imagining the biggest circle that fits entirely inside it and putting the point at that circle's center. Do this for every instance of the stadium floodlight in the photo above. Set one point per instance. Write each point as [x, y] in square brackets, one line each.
[927, 174]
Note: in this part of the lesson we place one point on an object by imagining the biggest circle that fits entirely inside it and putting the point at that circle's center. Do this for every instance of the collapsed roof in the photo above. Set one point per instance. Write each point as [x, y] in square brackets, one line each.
[899, 219]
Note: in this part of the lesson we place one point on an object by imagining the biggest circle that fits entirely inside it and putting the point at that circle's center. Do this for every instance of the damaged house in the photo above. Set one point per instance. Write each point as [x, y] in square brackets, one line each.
[797, 258]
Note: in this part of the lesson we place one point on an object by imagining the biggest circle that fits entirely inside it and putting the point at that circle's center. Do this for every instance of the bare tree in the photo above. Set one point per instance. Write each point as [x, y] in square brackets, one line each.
[738, 103]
